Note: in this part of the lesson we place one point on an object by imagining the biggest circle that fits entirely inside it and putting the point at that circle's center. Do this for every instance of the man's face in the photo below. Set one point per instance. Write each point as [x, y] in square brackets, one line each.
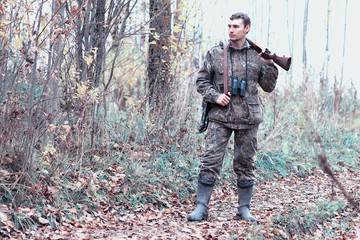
[237, 30]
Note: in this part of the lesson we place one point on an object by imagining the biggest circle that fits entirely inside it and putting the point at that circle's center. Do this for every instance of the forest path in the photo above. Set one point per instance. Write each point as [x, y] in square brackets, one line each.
[287, 201]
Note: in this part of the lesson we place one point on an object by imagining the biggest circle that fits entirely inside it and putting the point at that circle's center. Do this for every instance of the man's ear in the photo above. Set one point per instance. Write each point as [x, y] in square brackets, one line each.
[247, 28]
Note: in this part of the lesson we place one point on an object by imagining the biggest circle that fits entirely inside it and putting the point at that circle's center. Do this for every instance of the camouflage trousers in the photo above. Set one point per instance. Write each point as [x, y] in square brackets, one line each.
[245, 147]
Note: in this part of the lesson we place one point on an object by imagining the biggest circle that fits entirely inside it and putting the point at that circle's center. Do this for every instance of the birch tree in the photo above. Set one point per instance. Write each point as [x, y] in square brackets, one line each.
[305, 22]
[344, 44]
[325, 69]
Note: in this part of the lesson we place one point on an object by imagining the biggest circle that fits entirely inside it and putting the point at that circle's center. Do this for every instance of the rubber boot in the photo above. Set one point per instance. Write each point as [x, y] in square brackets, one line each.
[204, 190]
[244, 197]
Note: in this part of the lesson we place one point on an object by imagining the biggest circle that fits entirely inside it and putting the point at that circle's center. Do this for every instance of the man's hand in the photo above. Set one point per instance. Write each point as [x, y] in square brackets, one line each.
[223, 100]
[263, 59]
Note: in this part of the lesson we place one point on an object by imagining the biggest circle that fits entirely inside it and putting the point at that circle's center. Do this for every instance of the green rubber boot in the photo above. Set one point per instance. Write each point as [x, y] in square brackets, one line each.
[244, 197]
[204, 190]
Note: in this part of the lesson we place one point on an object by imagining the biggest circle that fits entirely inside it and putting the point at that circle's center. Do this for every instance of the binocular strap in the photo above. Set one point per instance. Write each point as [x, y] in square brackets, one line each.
[232, 64]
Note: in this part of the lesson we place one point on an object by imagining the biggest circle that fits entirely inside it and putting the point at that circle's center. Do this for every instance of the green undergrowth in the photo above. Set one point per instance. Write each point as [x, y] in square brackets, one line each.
[141, 164]
[303, 222]
[317, 220]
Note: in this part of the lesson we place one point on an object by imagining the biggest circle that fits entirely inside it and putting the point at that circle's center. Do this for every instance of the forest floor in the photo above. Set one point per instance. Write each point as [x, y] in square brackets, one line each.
[288, 208]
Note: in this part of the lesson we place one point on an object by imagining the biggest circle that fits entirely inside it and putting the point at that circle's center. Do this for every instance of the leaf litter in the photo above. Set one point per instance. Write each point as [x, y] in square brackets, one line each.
[286, 208]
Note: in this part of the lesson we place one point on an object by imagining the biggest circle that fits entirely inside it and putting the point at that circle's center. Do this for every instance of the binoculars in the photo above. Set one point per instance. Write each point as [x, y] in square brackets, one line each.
[238, 87]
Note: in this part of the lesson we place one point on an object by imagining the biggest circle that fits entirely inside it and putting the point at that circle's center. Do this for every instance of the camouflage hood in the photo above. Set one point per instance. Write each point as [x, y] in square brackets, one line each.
[241, 112]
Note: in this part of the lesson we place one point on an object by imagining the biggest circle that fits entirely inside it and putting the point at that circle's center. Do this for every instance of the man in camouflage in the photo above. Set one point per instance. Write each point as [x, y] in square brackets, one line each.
[232, 113]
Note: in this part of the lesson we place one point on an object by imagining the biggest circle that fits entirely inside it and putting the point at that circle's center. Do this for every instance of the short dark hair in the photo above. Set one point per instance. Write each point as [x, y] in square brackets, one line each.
[243, 16]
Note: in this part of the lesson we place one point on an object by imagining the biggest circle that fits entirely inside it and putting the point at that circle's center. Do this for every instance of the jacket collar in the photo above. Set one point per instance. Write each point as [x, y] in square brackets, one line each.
[246, 45]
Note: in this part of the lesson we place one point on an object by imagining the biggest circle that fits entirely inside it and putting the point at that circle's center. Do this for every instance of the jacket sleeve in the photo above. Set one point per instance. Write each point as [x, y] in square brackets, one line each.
[204, 81]
[268, 76]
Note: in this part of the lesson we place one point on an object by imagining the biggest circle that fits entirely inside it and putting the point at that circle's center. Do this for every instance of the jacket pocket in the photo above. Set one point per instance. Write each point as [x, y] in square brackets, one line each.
[217, 80]
[254, 108]
[255, 112]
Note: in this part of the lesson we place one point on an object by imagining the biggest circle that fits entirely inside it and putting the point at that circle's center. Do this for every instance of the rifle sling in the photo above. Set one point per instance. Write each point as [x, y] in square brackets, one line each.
[225, 64]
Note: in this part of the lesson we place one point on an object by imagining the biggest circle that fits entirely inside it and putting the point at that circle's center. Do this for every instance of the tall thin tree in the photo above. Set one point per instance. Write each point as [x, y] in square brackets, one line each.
[291, 34]
[99, 47]
[344, 45]
[159, 52]
[325, 69]
[305, 22]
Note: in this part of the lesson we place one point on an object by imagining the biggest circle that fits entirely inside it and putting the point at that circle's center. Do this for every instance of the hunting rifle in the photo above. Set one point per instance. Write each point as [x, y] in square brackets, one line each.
[283, 62]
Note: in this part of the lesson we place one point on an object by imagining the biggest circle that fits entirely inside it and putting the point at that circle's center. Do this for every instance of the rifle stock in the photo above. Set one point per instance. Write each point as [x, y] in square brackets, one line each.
[283, 62]
[205, 117]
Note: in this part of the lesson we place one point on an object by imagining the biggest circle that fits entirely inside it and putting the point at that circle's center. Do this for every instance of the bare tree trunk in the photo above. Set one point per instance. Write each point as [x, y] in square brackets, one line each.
[79, 41]
[292, 37]
[267, 43]
[29, 139]
[325, 68]
[344, 45]
[159, 52]
[269, 21]
[338, 87]
[84, 35]
[306, 16]
[55, 58]
[99, 39]
[99, 45]
[4, 56]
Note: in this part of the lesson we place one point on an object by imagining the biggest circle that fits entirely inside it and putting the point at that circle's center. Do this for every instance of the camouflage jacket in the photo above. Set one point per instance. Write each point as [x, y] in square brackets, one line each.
[242, 112]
